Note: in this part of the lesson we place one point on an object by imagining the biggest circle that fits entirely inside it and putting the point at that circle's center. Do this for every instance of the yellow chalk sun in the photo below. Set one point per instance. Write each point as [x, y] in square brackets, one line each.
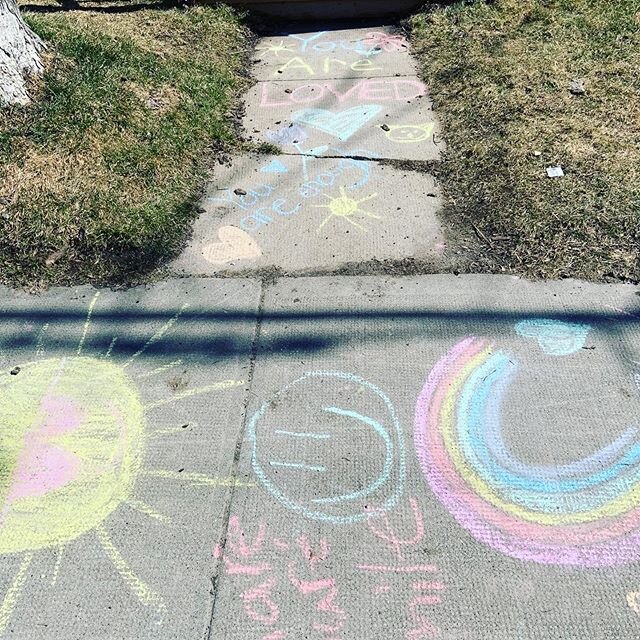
[72, 442]
[345, 207]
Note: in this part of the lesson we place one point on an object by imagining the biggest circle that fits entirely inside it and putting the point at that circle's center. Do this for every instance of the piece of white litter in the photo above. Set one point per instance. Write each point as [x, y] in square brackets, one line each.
[555, 172]
[537, 154]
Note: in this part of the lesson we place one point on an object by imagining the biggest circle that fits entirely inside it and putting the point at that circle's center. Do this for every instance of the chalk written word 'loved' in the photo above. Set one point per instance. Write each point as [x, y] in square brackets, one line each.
[382, 90]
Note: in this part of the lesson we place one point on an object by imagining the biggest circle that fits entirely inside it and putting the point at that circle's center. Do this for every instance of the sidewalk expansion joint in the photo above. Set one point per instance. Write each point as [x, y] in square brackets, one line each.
[215, 578]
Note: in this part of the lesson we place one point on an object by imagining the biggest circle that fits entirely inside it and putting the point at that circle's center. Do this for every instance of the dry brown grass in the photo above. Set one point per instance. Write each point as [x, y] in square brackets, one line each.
[98, 178]
[501, 74]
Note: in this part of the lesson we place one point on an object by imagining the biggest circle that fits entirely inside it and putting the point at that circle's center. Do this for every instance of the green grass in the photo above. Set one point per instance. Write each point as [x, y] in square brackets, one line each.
[499, 73]
[100, 175]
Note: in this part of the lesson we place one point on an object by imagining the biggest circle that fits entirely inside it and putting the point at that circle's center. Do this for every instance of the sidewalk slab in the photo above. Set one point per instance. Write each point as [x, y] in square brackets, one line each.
[356, 53]
[365, 526]
[300, 213]
[388, 117]
[118, 436]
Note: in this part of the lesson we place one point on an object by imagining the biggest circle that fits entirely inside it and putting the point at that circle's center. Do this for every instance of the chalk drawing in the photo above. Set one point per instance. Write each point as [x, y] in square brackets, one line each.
[295, 63]
[327, 65]
[315, 43]
[341, 125]
[275, 166]
[556, 338]
[290, 134]
[344, 207]
[429, 591]
[73, 442]
[234, 244]
[386, 42]
[366, 90]
[586, 513]
[410, 133]
[382, 529]
[313, 186]
[277, 49]
[353, 412]
[280, 565]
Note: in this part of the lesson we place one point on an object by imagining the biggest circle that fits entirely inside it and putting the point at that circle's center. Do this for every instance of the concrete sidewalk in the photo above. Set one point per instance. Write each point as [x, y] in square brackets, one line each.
[362, 457]
[332, 457]
[341, 106]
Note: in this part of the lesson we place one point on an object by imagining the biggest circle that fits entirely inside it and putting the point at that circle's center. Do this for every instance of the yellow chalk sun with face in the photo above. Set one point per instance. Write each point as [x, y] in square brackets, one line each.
[344, 207]
[72, 441]
[410, 133]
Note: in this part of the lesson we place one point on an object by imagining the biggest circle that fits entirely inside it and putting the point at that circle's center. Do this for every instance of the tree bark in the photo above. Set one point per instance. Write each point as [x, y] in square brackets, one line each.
[19, 54]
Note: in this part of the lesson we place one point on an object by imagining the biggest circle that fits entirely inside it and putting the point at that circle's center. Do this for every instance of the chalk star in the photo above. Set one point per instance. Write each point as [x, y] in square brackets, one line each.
[276, 48]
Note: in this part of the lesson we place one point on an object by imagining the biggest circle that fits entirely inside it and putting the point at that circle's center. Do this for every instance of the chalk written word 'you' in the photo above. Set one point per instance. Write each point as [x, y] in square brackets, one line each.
[373, 44]
[258, 200]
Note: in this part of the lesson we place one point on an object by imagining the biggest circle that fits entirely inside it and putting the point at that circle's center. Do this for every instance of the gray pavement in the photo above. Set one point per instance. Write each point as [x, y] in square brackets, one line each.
[302, 213]
[339, 105]
[224, 457]
[219, 458]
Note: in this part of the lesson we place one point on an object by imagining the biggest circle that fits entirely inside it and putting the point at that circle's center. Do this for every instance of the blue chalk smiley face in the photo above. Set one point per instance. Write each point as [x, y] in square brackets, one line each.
[556, 338]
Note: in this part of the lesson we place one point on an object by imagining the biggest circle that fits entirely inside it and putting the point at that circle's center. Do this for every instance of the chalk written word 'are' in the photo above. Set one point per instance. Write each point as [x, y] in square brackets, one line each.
[328, 65]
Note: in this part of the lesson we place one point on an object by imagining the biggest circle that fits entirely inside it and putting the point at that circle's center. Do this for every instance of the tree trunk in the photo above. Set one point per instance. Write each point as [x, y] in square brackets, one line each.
[19, 54]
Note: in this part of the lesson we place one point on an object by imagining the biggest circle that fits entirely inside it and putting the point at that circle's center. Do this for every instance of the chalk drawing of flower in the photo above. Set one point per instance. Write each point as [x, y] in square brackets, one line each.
[386, 42]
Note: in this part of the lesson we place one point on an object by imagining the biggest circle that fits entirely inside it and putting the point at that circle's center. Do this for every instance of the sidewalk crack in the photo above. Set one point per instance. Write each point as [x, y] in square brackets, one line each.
[217, 574]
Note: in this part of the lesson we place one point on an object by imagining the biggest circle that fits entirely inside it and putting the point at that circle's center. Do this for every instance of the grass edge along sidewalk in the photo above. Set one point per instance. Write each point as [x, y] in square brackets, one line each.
[522, 85]
[100, 176]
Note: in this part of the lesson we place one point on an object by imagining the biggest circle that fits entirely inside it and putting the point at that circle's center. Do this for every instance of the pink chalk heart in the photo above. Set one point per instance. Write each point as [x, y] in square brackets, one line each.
[235, 244]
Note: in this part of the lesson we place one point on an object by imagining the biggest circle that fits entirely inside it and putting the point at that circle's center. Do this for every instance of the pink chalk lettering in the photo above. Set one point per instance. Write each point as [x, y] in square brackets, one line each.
[236, 539]
[428, 586]
[381, 90]
[425, 628]
[265, 100]
[238, 546]
[381, 568]
[312, 556]
[327, 603]
[377, 90]
[261, 595]
[419, 89]
[343, 96]
[381, 588]
[236, 568]
[306, 94]
[382, 529]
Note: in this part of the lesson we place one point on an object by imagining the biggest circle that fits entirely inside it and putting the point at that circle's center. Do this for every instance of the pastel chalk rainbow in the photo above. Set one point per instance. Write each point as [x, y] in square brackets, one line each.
[586, 513]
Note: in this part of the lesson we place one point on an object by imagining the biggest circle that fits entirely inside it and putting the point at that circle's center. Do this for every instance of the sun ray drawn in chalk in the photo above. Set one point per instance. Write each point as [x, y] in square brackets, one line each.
[73, 439]
[344, 206]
